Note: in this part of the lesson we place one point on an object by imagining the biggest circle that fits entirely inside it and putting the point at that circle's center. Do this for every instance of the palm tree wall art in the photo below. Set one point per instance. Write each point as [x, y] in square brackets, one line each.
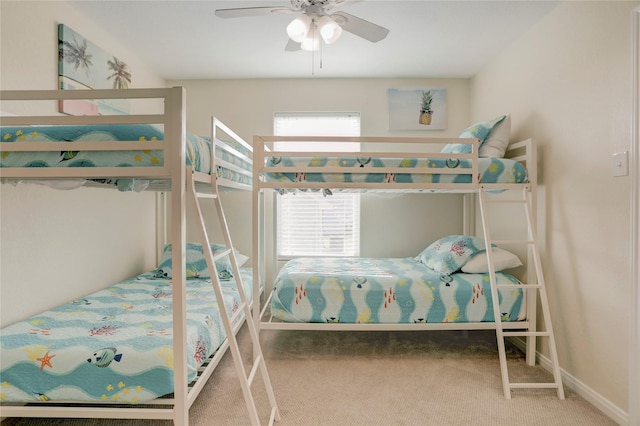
[83, 65]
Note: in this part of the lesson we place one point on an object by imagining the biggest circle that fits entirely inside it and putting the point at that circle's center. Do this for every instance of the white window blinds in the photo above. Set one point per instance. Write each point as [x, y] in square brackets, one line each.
[310, 224]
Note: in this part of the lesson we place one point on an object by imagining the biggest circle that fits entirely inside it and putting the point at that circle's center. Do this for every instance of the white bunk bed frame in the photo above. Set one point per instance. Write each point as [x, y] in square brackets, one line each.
[183, 183]
[524, 152]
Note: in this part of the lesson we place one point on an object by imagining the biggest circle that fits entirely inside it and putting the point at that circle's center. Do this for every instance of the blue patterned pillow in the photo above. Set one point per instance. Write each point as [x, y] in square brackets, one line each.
[196, 265]
[447, 255]
[480, 131]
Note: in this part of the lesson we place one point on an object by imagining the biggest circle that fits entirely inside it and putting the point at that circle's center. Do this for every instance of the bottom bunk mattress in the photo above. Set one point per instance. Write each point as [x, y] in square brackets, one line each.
[114, 345]
[387, 291]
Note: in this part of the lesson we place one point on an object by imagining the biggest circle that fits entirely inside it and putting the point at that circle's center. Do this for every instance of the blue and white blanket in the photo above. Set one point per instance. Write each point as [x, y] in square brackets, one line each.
[389, 291]
[114, 345]
[370, 170]
[198, 149]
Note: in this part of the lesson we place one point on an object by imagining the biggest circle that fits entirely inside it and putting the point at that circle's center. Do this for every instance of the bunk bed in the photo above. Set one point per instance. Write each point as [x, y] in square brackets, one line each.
[145, 347]
[425, 292]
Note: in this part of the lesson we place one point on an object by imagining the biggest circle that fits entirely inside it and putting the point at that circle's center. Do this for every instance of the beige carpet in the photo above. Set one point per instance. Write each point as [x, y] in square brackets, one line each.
[378, 378]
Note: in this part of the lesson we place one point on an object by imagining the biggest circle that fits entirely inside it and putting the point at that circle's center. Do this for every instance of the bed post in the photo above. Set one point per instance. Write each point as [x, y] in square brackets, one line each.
[257, 213]
[175, 138]
[274, 241]
[532, 302]
[469, 214]
[161, 224]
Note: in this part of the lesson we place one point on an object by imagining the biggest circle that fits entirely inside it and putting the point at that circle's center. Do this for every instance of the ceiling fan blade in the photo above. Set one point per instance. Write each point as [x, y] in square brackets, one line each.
[292, 46]
[242, 12]
[360, 27]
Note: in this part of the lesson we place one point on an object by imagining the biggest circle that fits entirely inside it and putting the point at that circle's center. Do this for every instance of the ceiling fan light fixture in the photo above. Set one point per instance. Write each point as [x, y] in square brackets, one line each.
[298, 29]
[310, 43]
[329, 29]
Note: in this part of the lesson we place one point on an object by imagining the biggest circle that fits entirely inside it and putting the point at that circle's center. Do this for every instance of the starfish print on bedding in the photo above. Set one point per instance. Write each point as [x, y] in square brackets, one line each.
[45, 360]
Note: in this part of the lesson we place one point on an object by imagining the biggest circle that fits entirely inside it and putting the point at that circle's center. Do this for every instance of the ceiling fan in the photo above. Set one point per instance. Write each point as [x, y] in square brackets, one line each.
[313, 23]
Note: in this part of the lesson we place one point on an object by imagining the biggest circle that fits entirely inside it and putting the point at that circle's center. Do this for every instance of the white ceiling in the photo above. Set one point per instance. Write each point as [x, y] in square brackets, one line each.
[186, 40]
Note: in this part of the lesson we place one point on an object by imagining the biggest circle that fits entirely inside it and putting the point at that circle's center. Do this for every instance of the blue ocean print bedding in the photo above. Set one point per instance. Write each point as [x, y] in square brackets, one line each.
[114, 345]
[491, 170]
[198, 151]
[198, 148]
[230, 151]
[389, 291]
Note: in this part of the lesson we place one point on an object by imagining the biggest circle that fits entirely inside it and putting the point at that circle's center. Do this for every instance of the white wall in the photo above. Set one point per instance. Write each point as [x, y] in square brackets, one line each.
[247, 106]
[567, 83]
[56, 246]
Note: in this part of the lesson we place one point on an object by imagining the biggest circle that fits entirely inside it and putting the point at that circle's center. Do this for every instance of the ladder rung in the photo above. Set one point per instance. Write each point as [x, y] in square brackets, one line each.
[254, 369]
[498, 242]
[533, 385]
[205, 195]
[505, 201]
[221, 254]
[523, 286]
[525, 333]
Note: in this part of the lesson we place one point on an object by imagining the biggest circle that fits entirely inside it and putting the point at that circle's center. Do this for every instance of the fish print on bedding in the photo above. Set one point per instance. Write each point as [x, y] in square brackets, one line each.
[389, 291]
[114, 345]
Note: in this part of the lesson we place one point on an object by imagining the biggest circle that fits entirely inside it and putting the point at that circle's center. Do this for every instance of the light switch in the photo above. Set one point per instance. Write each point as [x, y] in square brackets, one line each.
[620, 164]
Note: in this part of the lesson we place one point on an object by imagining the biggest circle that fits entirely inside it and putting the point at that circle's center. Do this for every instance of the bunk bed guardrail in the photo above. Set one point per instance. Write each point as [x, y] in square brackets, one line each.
[396, 164]
[168, 106]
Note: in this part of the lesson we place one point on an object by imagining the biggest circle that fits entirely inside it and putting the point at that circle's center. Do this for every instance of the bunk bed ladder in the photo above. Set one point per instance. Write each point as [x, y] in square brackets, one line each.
[533, 289]
[246, 380]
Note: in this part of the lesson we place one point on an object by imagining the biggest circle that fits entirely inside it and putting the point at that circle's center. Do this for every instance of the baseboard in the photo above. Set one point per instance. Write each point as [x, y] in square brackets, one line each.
[612, 411]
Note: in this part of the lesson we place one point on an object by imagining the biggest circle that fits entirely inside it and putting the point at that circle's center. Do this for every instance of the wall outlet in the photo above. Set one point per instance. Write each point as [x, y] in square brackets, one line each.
[620, 164]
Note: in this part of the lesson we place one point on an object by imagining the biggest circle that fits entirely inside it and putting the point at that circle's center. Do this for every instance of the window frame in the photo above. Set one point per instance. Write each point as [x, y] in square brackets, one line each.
[299, 126]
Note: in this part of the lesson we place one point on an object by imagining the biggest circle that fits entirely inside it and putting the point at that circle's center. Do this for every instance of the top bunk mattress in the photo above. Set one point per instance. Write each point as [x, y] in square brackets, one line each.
[230, 156]
[368, 170]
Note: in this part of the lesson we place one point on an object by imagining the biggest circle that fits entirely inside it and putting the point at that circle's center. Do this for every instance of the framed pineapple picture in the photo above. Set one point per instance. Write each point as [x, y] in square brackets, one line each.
[423, 108]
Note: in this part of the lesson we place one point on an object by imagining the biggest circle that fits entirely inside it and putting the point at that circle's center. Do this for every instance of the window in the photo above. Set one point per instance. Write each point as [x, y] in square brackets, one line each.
[309, 223]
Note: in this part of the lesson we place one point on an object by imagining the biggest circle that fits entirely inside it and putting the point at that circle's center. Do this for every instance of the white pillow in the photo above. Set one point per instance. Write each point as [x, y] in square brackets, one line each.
[496, 144]
[502, 259]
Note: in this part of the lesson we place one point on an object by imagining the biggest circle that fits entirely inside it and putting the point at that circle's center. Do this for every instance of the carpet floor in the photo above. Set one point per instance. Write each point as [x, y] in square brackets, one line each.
[322, 378]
